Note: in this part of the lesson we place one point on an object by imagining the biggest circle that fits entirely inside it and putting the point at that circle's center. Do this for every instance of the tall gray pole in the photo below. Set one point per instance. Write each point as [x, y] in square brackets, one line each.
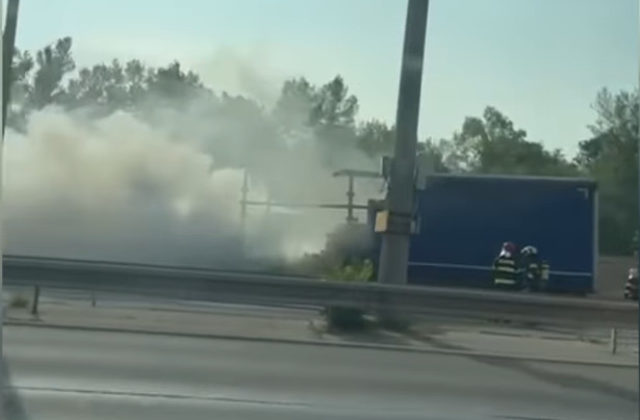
[638, 225]
[394, 253]
[8, 47]
[2, 309]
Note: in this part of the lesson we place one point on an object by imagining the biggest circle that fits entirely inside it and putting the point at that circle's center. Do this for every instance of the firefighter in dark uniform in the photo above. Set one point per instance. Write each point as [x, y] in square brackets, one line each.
[505, 268]
[532, 268]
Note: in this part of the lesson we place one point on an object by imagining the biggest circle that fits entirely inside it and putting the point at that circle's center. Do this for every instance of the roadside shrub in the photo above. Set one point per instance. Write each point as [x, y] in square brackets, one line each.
[345, 317]
[354, 272]
[347, 241]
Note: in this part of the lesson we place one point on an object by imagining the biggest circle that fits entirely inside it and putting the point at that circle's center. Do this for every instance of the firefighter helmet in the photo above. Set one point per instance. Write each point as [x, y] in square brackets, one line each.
[509, 247]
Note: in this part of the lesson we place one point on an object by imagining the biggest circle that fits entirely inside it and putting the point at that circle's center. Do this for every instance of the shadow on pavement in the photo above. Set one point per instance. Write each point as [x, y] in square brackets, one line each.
[566, 380]
[370, 333]
[430, 338]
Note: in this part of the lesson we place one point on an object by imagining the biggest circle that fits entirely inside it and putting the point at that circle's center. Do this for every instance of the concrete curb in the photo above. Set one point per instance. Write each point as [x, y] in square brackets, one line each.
[368, 346]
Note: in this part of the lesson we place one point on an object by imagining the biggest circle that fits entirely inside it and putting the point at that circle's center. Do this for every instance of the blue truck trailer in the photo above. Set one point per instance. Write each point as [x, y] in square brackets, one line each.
[462, 221]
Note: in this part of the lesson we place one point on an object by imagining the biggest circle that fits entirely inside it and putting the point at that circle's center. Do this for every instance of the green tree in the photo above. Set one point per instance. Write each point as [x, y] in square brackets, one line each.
[326, 114]
[376, 138]
[133, 87]
[493, 144]
[21, 89]
[333, 105]
[135, 73]
[53, 62]
[303, 104]
[171, 86]
[611, 157]
[431, 157]
[102, 86]
[293, 107]
[333, 120]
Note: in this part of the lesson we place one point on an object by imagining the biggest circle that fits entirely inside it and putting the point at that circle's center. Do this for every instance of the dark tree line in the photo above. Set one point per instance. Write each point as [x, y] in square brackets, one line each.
[328, 115]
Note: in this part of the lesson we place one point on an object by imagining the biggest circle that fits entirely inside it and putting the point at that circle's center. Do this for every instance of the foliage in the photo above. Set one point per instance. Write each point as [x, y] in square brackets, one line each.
[356, 272]
[375, 138]
[431, 156]
[611, 157]
[295, 103]
[492, 144]
[343, 257]
[52, 64]
[328, 112]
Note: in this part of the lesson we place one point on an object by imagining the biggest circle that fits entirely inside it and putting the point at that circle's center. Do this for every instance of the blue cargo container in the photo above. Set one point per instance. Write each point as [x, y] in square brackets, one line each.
[463, 221]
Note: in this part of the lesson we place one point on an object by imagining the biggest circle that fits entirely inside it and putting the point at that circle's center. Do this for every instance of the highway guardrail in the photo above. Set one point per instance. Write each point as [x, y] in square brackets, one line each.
[269, 289]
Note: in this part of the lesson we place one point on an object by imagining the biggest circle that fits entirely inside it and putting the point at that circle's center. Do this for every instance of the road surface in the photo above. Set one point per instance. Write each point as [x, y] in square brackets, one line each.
[66, 374]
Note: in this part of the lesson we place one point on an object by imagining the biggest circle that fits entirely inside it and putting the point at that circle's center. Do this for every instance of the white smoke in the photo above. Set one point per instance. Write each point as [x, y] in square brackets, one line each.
[165, 191]
[115, 189]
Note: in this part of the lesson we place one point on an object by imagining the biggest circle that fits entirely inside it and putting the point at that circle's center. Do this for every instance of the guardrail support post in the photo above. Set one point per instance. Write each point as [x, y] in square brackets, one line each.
[613, 341]
[36, 298]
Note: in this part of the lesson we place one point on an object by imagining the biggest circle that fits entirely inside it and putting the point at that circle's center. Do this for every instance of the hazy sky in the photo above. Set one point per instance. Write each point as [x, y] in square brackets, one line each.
[539, 61]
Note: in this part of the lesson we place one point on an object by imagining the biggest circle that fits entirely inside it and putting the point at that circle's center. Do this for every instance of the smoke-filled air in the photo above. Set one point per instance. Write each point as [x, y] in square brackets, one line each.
[130, 163]
[127, 162]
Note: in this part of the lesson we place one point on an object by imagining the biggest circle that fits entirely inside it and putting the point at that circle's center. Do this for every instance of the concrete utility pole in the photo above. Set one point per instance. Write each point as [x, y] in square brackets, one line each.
[394, 253]
[8, 47]
[2, 308]
[638, 244]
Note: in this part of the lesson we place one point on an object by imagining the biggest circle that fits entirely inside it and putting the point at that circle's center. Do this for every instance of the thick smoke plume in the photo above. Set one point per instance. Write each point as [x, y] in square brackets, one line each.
[165, 187]
[115, 189]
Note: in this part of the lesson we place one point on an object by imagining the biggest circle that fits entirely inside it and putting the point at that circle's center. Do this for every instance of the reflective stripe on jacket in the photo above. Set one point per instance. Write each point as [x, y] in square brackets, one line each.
[505, 271]
[534, 268]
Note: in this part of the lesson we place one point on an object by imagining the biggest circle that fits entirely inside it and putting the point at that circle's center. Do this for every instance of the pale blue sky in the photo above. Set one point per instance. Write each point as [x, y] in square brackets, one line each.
[539, 61]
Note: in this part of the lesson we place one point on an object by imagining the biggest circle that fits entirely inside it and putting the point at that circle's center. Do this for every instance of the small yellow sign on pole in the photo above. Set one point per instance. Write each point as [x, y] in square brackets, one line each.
[382, 218]
[382, 223]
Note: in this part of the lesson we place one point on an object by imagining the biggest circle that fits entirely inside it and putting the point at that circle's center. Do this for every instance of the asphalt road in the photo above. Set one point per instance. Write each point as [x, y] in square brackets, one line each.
[64, 374]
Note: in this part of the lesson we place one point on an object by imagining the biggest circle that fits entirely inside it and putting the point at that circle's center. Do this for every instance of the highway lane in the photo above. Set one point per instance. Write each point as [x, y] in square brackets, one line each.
[64, 374]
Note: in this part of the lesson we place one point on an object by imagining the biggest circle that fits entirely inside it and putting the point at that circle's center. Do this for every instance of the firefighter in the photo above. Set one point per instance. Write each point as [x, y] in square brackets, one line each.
[532, 268]
[505, 268]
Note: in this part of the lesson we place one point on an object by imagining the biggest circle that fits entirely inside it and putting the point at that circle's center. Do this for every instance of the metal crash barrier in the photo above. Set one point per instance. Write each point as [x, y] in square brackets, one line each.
[269, 289]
